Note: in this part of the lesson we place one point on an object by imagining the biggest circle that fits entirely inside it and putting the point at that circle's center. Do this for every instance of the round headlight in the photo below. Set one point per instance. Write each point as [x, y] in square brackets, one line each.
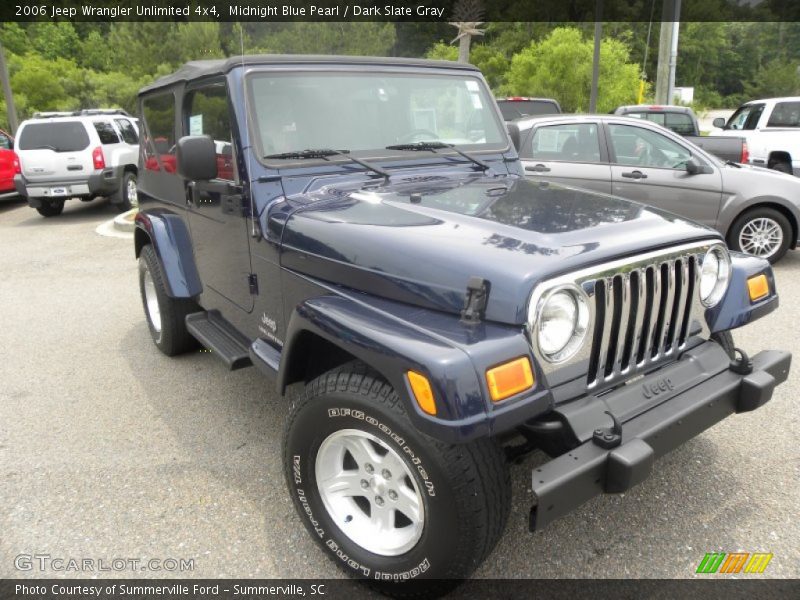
[715, 274]
[562, 323]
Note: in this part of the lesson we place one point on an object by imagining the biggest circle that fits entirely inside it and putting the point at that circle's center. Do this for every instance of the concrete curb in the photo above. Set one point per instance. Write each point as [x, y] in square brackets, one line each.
[124, 221]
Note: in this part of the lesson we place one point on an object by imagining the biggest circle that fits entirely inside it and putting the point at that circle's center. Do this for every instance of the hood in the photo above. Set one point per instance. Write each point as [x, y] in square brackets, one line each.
[420, 240]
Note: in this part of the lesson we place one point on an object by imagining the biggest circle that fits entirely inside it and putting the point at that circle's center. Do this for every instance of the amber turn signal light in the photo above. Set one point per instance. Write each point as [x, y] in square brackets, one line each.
[423, 393]
[509, 378]
[757, 287]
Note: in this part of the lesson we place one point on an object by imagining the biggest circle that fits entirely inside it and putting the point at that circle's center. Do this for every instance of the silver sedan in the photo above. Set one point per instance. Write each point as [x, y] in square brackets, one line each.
[757, 210]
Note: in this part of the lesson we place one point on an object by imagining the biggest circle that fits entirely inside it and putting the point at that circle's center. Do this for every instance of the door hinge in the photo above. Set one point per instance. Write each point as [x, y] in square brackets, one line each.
[475, 300]
[252, 281]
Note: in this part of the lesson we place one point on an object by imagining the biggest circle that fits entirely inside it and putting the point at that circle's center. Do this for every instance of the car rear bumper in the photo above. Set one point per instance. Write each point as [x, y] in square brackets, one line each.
[101, 183]
[571, 479]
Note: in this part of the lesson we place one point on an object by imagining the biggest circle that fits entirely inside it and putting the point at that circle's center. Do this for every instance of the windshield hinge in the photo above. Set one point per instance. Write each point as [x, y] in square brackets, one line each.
[252, 280]
[475, 300]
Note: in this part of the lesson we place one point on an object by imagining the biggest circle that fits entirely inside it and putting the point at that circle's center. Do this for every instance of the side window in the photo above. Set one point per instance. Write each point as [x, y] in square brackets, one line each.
[746, 117]
[105, 131]
[5, 142]
[785, 114]
[573, 142]
[159, 140]
[206, 112]
[127, 131]
[637, 147]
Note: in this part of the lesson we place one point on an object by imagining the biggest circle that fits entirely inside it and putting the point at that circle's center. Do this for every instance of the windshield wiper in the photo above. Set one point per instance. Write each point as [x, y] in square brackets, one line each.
[434, 146]
[730, 163]
[325, 153]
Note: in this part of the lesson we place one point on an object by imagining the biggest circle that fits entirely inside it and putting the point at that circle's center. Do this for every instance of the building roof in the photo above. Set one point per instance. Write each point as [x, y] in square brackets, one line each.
[205, 68]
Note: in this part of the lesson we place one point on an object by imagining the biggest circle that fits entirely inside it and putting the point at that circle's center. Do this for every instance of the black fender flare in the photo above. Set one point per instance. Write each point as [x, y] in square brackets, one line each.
[393, 345]
[173, 245]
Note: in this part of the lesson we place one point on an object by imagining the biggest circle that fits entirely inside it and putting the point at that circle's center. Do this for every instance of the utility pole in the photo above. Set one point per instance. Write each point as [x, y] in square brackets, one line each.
[598, 33]
[10, 108]
[667, 51]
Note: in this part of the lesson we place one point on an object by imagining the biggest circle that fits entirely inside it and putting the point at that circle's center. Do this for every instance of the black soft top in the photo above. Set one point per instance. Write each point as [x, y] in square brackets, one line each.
[197, 69]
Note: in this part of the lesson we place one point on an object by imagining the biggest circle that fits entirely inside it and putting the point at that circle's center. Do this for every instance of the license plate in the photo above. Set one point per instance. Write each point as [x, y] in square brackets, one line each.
[58, 191]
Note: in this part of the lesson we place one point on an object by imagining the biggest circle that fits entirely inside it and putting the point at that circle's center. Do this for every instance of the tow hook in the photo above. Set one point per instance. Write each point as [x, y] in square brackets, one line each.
[742, 366]
[608, 437]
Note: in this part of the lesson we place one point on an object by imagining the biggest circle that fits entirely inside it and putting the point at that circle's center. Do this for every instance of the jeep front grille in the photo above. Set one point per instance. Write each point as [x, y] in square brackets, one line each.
[643, 311]
[641, 316]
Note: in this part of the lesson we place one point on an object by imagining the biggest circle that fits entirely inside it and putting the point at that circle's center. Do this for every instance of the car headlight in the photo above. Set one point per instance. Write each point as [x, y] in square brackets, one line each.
[561, 323]
[715, 275]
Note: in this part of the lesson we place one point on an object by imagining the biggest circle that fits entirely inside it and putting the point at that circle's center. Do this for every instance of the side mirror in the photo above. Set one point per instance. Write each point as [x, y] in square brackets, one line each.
[695, 168]
[513, 133]
[719, 123]
[197, 158]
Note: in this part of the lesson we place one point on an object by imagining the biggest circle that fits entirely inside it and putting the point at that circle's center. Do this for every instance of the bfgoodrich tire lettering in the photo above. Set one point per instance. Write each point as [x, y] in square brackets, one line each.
[465, 488]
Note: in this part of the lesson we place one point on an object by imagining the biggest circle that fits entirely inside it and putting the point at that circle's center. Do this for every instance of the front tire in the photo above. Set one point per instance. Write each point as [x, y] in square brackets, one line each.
[166, 317]
[384, 501]
[763, 232]
[51, 208]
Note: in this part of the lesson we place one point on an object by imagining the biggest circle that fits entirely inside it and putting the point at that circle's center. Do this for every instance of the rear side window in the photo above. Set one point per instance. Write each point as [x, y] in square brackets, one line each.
[680, 123]
[512, 109]
[105, 131]
[785, 114]
[59, 136]
[128, 132]
[159, 141]
[572, 142]
[6, 142]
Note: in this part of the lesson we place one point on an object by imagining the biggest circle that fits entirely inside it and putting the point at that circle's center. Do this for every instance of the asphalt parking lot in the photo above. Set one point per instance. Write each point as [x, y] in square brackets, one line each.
[108, 449]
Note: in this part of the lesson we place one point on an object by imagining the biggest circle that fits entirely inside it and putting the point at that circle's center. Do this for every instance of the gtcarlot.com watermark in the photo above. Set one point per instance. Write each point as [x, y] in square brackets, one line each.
[59, 564]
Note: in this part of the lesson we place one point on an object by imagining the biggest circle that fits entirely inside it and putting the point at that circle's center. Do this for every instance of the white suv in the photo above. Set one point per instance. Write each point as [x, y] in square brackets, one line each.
[81, 154]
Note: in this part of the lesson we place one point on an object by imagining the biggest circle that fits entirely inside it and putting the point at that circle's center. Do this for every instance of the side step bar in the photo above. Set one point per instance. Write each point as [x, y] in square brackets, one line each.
[219, 336]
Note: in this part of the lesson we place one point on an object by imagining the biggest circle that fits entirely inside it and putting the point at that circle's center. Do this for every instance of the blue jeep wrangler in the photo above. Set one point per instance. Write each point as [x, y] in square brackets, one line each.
[362, 227]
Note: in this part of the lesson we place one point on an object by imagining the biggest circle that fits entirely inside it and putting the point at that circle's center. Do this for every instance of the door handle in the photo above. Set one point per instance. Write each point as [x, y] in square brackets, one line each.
[634, 175]
[540, 168]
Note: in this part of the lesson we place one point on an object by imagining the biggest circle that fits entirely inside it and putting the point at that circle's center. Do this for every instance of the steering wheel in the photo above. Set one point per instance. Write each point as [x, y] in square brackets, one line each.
[414, 136]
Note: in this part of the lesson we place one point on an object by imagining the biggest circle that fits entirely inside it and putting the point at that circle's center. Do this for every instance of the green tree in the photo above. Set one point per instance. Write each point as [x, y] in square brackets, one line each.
[492, 63]
[41, 85]
[779, 77]
[358, 38]
[560, 66]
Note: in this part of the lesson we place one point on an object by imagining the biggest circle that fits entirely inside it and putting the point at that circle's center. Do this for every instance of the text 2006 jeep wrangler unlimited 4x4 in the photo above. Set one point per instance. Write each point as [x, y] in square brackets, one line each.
[362, 226]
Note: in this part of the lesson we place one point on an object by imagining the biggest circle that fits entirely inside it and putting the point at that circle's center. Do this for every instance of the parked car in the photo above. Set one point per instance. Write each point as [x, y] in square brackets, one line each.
[441, 313]
[83, 154]
[757, 210]
[683, 121]
[771, 128]
[9, 165]
[514, 107]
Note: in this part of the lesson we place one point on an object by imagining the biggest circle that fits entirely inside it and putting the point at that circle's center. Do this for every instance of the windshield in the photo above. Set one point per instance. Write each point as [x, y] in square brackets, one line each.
[369, 111]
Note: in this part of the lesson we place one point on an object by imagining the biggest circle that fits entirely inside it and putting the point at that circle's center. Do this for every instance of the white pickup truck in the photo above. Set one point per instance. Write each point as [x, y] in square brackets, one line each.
[772, 130]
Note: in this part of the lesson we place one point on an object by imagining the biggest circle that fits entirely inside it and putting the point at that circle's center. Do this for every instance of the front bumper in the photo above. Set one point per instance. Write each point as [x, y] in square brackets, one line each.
[692, 402]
